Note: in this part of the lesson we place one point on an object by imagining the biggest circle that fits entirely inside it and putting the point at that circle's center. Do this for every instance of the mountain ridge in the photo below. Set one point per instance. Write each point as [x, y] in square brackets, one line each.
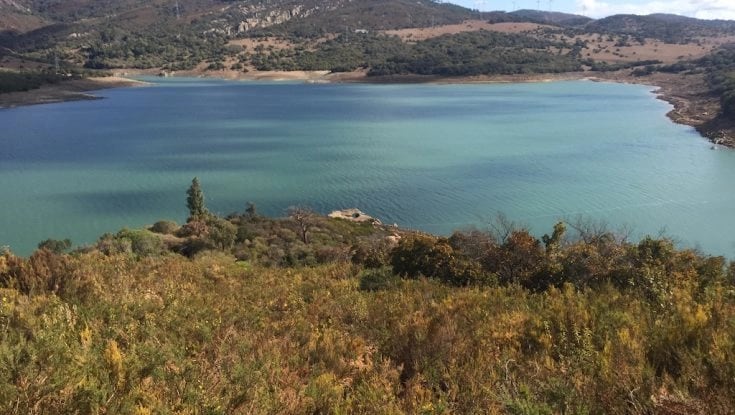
[233, 17]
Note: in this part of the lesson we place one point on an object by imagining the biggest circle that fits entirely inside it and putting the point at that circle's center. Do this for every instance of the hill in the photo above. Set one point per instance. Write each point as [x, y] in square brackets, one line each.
[184, 34]
[550, 18]
[15, 16]
[306, 314]
[386, 40]
[665, 27]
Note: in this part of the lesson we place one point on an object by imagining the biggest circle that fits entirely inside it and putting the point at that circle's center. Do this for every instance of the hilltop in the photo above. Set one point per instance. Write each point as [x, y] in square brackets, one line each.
[375, 40]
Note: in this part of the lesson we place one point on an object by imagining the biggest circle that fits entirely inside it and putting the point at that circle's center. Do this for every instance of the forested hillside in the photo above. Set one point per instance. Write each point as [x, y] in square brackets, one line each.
[185, 33]
[666, 27]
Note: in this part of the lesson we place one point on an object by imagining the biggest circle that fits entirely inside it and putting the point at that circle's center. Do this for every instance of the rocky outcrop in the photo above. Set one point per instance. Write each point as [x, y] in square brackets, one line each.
[354, 215]
[272, 17]
[245, 17]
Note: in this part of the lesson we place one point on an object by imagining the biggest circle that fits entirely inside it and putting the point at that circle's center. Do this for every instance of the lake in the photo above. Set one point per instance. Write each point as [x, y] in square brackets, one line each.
[431, 157]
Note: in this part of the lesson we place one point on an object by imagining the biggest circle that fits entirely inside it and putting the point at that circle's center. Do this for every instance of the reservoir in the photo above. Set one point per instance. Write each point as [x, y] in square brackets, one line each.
[429, 157]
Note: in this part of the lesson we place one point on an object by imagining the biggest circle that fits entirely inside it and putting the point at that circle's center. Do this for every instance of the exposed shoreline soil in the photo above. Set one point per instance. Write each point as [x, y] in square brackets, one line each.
[693, 104]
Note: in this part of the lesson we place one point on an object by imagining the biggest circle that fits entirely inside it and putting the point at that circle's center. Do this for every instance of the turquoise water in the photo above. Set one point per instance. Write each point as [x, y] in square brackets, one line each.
[433, 157]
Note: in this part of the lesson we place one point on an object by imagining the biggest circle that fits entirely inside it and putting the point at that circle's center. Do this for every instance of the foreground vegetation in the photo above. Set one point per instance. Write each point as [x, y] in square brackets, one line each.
[313, 315]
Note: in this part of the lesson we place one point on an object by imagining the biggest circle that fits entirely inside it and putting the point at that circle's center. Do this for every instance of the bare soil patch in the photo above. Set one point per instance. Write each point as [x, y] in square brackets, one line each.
[602, 48]
[272, 42]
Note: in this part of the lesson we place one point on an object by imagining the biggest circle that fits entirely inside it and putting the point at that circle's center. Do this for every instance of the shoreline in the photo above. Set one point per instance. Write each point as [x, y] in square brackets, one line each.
[693, 103]
[688, 94]
[65, 91]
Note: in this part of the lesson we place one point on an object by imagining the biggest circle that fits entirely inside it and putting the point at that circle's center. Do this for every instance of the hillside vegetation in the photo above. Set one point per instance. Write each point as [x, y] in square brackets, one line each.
[186, 33]
[344, 35]
[305, 315]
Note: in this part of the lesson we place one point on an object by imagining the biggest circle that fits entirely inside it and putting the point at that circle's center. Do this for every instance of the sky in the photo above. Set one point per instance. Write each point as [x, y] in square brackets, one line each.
[702, 9]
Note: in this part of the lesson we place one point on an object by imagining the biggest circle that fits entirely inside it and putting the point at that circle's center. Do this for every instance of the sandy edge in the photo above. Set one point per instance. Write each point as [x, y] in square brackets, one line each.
[691, 106]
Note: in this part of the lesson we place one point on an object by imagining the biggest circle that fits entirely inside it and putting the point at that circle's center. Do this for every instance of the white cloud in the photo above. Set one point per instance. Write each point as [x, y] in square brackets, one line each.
[702, 9]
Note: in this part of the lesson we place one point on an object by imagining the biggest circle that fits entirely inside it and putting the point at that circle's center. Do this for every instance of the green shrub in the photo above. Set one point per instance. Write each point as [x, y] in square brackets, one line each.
[372, 253]
[221, 234]
[55, 245]
[43, 272]
[165, 227]
[418, 255]
[142, 242]
[517, 260]
[377, 279]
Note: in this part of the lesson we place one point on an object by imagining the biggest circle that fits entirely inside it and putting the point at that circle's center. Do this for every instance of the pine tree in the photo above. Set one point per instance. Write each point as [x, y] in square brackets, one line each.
[195, 200]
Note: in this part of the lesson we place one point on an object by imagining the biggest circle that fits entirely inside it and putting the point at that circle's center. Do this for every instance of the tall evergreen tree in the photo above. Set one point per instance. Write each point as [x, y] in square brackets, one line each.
[195, 200]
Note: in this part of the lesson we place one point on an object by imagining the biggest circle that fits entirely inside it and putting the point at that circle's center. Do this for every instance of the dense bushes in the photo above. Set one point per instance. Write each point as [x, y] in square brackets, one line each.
[391, 321]
[420, 255]
[111, 333]
[478, 53]
[719, 69]
[175, 51]
[25, 81]
[726, 84]
[165, 227]
[471, 53]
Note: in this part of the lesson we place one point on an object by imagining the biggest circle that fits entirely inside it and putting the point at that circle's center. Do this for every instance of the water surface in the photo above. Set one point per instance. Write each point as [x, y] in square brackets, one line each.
[433, 157]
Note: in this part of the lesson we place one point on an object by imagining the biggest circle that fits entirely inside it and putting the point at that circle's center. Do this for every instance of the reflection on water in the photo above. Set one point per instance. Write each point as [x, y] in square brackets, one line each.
[434, 157]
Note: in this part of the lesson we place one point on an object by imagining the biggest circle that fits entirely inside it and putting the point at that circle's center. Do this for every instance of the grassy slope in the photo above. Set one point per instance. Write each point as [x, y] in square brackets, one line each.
[124, 333]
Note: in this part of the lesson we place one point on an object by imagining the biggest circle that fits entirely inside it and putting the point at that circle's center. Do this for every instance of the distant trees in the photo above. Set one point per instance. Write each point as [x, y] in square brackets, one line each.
[462, 54]
[25, 81]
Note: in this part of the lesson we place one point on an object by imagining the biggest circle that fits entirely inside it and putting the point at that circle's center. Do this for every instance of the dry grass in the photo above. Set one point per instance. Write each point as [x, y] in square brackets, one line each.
[423, 33]
[601, 48]
[272, 42]
[211, 335]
